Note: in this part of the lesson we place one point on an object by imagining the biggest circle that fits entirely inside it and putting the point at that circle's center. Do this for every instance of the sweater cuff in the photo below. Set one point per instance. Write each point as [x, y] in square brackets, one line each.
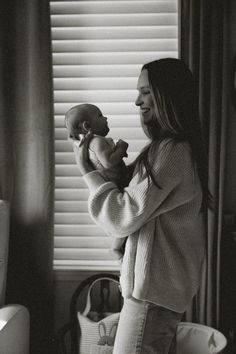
[94, 180]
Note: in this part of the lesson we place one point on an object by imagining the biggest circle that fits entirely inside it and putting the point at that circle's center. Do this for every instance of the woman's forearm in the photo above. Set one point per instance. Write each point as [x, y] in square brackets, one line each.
[82, 157]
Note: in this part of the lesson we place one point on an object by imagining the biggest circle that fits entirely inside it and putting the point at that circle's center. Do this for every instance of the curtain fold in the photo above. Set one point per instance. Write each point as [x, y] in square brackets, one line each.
[204, 48]
[27, 159]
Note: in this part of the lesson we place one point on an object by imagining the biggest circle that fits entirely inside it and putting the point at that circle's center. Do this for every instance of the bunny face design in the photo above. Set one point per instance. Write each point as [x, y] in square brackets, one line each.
[106, 339]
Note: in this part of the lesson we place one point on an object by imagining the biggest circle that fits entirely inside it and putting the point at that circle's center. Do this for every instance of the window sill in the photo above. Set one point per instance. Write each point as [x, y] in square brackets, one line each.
[77, 275]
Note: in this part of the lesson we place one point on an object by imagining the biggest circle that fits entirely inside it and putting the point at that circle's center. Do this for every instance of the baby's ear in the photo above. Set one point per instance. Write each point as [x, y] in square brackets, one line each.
[85, 127]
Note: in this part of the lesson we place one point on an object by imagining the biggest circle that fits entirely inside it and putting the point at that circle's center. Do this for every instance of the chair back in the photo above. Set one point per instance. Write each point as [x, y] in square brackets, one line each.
[14, 330]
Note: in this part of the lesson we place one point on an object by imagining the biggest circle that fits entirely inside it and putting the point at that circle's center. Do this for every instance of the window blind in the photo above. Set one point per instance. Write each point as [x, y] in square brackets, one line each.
[98, 50]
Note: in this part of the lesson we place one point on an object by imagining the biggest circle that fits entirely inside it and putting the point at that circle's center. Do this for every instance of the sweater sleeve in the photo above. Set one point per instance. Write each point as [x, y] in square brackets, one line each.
[123, 213]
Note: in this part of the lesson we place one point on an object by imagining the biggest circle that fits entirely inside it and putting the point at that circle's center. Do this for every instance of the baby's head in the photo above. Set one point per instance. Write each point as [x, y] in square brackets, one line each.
[85, 118]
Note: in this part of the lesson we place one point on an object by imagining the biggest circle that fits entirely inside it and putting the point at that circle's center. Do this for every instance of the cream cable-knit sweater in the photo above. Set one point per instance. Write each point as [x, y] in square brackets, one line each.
[166, 244]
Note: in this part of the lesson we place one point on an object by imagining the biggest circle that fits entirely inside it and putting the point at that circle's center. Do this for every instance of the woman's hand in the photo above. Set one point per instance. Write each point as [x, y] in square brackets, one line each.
[82, 154]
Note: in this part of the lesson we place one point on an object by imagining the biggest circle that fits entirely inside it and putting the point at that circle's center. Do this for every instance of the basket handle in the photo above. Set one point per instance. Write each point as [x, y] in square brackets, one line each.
[88, 300]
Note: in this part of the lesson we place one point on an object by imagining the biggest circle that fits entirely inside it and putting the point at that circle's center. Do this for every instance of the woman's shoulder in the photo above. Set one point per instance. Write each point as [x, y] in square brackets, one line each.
[170, 153]
[171, 146]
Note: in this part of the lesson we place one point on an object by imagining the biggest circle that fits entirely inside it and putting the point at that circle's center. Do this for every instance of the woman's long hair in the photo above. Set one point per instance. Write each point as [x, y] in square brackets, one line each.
[173, 91]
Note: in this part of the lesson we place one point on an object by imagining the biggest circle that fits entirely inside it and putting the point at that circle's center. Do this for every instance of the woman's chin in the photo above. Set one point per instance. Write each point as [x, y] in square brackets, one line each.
[145, 129]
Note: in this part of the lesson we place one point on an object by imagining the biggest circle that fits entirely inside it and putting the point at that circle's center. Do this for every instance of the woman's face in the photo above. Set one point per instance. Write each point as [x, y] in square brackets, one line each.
[144, 99]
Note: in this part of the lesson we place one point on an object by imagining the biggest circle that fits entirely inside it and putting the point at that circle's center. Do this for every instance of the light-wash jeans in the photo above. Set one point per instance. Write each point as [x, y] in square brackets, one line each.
[146, 328]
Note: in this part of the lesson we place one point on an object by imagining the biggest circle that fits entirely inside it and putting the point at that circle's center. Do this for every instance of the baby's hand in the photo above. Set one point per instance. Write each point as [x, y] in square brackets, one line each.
[123, 145]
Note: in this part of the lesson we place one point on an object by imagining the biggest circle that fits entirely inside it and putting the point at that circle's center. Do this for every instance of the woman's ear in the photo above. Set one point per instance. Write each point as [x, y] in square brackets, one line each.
[86, 127]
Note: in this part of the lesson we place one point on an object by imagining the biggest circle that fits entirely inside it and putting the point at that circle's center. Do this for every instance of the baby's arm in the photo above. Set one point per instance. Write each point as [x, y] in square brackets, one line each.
[108, 156]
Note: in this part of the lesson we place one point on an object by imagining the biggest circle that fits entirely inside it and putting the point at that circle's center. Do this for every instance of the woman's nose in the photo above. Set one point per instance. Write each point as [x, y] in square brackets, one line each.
[138, 101]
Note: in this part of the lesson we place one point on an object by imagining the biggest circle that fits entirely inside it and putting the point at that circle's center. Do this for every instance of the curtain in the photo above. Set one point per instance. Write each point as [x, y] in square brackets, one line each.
[27, 159]
[204, 48]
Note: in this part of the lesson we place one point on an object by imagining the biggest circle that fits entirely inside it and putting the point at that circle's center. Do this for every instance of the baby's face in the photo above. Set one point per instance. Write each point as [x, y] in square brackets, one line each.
[97, 121]
[85, 118]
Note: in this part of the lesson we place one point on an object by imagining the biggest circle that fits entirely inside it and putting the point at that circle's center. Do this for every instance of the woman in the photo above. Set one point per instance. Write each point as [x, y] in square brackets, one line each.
[161, 211]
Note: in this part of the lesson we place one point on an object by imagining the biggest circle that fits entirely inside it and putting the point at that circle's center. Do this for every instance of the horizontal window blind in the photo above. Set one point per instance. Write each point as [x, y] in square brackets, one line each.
[98, 50]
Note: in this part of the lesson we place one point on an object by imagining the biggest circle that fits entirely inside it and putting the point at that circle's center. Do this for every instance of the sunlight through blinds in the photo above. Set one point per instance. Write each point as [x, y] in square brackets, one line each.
[98, 50]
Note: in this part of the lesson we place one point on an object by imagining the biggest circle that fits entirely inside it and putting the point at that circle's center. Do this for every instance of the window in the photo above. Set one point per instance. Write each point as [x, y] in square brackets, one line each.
[98, 50]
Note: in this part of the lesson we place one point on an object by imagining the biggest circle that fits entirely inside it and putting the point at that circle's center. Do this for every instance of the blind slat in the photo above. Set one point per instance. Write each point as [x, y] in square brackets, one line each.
[73, 218]
[69, 182]
[78, 230]
[86, 254]
[115, 32]
[149, 19]
[92, 95]
[99, 83]
[103, 7]
[71, 194]
[110, 58]
[103, 265]
[82, 242]
[93, 71]
[71, 206]
[117, 45]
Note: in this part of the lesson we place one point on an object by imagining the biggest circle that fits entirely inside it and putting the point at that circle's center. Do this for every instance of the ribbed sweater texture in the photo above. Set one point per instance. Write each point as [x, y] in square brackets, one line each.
[165, 249]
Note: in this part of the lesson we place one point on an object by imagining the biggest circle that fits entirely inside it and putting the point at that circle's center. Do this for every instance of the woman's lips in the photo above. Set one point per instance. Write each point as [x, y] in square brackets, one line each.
[145, 110]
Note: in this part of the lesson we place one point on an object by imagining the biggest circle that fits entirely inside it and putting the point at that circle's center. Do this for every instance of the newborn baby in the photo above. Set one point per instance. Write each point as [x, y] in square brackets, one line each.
[104, 154]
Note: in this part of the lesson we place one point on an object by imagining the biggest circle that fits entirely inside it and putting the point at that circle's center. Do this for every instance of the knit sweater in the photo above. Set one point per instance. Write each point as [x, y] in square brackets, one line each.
[166, 235]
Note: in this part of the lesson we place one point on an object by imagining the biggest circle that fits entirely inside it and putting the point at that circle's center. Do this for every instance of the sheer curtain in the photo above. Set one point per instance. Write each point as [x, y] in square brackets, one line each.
[204, 47]
[27, 159]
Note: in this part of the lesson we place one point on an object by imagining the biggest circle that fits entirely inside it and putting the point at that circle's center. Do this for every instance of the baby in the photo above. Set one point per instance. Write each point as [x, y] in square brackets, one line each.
[104, 154]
